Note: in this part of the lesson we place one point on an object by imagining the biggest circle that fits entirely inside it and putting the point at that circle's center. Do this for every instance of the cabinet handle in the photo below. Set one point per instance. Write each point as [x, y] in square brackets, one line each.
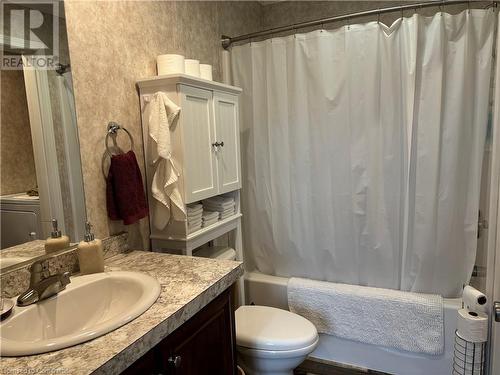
[218, 144]
[221, 144]
[496, 311]
[175, 361]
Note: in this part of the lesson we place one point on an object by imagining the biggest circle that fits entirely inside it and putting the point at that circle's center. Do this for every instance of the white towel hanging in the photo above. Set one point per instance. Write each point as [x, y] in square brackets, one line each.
[162, 117]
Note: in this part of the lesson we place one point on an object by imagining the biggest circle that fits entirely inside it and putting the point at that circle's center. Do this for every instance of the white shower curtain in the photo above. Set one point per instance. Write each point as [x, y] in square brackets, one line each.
[362, 151]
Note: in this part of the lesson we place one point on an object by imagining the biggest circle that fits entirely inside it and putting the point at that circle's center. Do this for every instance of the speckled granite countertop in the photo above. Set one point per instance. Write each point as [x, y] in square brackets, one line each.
[24, 252]
[188, 284]
[29, 249]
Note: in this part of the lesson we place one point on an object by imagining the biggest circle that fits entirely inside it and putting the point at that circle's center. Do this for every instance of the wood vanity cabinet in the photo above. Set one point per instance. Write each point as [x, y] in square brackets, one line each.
[205, 344]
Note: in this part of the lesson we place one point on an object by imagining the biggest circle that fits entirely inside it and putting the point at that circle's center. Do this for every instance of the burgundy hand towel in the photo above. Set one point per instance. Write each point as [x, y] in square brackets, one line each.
[125, 199]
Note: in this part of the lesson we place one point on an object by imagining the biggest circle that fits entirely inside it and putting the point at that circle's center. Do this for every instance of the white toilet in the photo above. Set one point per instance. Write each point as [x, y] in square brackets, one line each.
[272, 341]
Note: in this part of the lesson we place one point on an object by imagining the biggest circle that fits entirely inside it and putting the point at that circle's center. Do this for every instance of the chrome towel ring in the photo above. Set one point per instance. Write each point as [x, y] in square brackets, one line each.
[113, 128]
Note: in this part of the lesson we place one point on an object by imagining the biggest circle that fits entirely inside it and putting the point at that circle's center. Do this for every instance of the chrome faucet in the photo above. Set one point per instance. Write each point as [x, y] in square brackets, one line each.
[42, 285]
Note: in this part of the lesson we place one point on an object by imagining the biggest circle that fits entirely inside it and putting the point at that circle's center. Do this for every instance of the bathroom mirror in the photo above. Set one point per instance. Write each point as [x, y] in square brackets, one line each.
[41, 174]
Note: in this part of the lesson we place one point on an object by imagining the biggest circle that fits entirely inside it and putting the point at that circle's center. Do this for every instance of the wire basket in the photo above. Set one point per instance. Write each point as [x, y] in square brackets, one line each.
[468, 357]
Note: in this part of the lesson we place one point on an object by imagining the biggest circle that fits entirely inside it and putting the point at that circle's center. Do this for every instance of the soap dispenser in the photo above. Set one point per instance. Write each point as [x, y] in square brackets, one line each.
[90, 253]
[56, 241]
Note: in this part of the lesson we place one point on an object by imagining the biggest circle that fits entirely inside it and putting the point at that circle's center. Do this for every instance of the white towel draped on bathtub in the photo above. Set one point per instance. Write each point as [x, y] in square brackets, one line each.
[402, 320]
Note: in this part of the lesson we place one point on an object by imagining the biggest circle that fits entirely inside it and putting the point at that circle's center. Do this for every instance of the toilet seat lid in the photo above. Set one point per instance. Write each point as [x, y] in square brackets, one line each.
[268, 328]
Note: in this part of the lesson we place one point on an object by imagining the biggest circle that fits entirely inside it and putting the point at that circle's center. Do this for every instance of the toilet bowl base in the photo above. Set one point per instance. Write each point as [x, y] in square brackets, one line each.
[254, 372]
[266, 366]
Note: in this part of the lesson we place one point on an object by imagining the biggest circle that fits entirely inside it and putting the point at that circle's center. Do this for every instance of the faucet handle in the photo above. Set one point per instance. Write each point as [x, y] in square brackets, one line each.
[39, 265]
[64, 280]
[39, 270]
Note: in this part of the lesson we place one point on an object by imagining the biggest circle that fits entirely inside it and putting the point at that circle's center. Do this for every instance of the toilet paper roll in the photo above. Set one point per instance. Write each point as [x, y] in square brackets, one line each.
[472, 326]
[473, 299]
[170, 64]
[192, 67]
[206, 71]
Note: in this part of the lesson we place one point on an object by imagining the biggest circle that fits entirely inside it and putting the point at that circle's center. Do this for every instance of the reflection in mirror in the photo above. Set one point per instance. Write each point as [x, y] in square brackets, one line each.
[40, 167]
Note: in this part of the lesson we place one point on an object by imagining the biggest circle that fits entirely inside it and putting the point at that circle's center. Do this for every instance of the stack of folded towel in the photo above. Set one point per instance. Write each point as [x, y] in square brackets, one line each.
[194, 214]
[225, 206]
[209, 218]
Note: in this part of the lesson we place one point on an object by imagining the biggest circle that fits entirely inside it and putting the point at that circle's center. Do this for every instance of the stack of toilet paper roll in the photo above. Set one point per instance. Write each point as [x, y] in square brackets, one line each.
[471, 334]
[170, 64]
[195, 69]
[472, 326]
[192, 67]
[177, 64]
[472, 321]
[206, 71]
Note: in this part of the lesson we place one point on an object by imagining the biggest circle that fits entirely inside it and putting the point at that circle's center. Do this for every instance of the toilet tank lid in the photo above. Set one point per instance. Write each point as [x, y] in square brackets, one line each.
[269, 328]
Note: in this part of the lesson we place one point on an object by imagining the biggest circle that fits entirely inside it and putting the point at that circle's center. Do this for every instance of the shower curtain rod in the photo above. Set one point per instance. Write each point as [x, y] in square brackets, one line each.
[227, 41]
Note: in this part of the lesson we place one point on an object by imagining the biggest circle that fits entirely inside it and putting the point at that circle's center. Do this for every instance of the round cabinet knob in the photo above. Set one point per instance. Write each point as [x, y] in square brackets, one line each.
[175, 361]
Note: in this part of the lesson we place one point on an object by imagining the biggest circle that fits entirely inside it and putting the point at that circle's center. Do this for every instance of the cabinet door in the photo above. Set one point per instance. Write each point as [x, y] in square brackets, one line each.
[205, 344]
[200, 169]
[149, 364]
[227, 131]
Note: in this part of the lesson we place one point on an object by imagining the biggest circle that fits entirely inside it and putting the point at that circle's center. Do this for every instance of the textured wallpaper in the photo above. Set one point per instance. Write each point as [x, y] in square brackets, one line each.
[17, 166]
[113, 44]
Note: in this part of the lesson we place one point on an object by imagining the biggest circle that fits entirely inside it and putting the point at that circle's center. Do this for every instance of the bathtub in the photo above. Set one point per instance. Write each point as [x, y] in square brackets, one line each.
[268, 290]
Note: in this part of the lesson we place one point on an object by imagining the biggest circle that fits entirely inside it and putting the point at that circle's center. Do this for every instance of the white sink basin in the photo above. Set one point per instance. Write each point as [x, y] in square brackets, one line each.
[91, 306]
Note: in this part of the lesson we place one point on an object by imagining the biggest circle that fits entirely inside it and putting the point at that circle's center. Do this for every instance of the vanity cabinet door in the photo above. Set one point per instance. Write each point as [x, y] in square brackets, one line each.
[205, 344]
[228, 135]
[198, 129]
[149, 364]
